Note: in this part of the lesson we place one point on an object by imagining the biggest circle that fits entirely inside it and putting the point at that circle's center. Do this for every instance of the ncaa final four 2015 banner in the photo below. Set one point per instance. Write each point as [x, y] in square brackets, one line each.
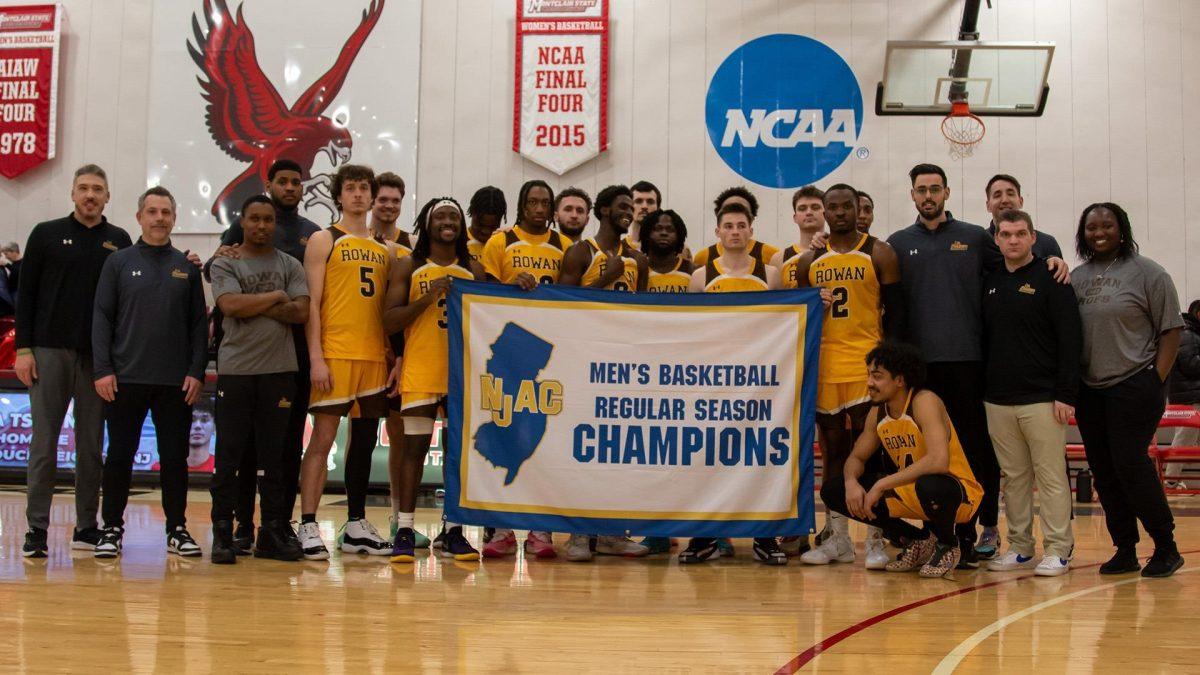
[601, 412]
[29, 41]
[560, 116]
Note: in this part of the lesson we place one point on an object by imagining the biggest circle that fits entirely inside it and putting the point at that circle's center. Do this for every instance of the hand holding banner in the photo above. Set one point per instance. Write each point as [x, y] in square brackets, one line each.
[588, 411]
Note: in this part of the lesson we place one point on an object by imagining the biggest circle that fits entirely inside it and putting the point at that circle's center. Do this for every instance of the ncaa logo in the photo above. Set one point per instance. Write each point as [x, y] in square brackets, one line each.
[783, 110]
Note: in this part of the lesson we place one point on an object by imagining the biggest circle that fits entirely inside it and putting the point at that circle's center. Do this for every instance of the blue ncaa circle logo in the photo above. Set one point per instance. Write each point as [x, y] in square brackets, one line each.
[783, 110]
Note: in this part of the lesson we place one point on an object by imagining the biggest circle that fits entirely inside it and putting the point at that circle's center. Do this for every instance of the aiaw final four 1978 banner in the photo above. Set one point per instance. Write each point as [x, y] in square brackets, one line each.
[582, 410]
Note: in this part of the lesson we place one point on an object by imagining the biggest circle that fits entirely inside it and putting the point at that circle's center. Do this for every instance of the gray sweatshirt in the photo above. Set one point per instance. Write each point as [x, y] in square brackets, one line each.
[150, 324]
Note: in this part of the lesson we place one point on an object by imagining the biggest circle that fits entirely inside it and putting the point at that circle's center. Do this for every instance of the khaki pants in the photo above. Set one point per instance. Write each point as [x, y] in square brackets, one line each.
[1030, 444]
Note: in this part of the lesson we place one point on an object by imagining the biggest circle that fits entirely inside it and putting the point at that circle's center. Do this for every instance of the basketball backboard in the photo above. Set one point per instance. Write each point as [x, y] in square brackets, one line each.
[997, 78]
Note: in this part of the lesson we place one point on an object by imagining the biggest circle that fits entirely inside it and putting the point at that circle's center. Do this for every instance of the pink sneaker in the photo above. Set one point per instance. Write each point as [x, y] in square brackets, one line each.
[540, 545]
[503, 543]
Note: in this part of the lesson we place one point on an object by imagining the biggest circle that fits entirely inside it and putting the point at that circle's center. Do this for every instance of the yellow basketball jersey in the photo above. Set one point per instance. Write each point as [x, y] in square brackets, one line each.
[853, 322]
[356, 275]
[635, 245]
[758, 250]
[717, 281]
[677, 280]
[628, 280]
[787, 270]
[425, 365]
[514, 251]
[904, 443]
[475, 247]
[403, 243]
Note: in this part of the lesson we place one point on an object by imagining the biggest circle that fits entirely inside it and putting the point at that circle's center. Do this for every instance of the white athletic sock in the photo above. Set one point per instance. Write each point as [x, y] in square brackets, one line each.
[839, 524]
[405, 519]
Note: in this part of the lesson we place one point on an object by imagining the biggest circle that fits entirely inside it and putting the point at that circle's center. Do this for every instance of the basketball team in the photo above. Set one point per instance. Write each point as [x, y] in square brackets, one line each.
[951, 354]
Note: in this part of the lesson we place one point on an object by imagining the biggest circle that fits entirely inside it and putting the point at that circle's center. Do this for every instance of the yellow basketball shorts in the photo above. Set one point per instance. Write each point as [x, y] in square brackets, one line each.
[835, 397]
[358, 390]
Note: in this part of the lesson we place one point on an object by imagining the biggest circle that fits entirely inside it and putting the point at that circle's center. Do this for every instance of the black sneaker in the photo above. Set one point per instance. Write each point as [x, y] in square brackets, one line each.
[110, 542]
[223, 551]
[767, 551]
[440, 539]
[1123, 561]
[35, 543]
[180, 542]
[699, 549]
[86, 539]
[968, 558]
[243, 538]
[278, 541]
[1163, 563]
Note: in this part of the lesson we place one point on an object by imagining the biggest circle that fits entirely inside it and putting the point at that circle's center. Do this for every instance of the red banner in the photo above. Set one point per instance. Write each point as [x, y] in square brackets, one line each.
[29, 41]
[560, 104]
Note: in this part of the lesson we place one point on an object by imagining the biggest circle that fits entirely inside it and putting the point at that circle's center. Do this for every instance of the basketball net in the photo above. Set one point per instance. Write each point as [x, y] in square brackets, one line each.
[963, 130]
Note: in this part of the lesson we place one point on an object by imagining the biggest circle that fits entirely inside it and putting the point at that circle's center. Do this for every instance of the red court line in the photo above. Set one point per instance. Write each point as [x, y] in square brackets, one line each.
[806, 656]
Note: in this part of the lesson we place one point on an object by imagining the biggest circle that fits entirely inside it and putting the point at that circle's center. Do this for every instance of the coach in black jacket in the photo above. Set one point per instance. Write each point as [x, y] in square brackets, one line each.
[149, 340]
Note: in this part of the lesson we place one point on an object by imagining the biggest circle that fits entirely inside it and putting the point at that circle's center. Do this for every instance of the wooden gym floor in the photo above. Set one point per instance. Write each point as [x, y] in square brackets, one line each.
[151, 612]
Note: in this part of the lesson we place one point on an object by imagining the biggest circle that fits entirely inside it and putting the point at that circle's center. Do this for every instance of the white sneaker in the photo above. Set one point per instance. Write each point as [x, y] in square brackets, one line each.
[311, 543]
[1052, 566]
[876, 550]
[624, 546]
[1011, 561]
[578, 549]
[360, 536]
[837, 548]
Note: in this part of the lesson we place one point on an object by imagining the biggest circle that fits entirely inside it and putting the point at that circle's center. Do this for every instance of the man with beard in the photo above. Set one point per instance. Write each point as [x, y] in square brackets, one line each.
[606, 261]
[664, 234]
[62, 265]
[572, 208]
[862, 277]
[866, 212]
[292, 232]
[416, 303]
[487, 210]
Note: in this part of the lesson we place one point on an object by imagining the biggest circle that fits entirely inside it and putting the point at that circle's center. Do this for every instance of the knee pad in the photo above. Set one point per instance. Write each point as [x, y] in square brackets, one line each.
[417, 426]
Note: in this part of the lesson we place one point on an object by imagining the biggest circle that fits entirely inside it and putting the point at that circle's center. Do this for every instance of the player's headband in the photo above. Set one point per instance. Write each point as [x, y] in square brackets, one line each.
[446, 202]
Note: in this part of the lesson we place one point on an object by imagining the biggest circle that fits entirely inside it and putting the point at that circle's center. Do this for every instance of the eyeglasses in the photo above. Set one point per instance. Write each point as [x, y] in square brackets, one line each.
[934, 190]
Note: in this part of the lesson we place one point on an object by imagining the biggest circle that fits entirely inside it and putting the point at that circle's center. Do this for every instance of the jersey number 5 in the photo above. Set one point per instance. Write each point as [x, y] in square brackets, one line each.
[368, 284]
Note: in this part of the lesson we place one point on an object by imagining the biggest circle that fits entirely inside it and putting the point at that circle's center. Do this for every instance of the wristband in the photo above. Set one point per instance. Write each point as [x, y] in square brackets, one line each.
[24, 351]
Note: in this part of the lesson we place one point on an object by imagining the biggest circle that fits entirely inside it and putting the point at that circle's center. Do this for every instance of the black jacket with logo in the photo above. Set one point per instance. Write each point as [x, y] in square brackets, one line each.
[150, 324]
[59, 273]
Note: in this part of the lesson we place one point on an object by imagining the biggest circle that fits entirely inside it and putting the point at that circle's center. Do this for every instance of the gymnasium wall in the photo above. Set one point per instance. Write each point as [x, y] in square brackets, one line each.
[1116, 126]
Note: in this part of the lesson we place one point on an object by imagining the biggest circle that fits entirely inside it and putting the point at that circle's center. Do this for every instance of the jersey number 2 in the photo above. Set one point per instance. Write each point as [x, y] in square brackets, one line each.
[838, 309]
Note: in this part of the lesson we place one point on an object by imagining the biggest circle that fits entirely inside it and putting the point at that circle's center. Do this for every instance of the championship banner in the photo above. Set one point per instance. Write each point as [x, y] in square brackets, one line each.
[601, 412]
[560, 107]
[29, 40]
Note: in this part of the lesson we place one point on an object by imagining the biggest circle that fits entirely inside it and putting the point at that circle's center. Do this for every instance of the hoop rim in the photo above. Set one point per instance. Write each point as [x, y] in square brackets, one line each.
[961, 110]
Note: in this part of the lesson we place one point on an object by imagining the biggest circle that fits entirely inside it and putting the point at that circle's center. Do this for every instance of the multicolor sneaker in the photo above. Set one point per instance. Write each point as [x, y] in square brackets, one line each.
[726, 547]
[180, 542]
[419, 540]
[311, 542]
[989, 544]
[402, 546]
[1052, 566]
[699, 549]
[503, 543]
[944, 560]
[657, 545]
[915, 555]
[541, 545]
[455, 545]
[795, 546]
[767, 551]
[579, 548]
[618, 545]
[360, 536]
[110, 543]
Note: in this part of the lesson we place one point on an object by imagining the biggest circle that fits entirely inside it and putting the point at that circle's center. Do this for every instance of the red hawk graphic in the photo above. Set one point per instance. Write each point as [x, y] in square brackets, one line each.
[247, 117]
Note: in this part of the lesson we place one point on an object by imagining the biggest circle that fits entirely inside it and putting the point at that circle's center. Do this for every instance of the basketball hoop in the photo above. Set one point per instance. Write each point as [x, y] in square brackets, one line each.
[963, 130]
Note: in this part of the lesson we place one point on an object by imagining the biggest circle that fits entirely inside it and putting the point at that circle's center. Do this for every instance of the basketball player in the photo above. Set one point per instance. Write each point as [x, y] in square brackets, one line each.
[866, 212]
[416, 303]
[808, 212]
[487, 210]
[572, 208]
[606, 261]
[928, 479]
[862, 277]
[527, 255]
[347, 271]
[664, 234]
[757, 249]
[646, 198]
[733, 271]
[385, 211]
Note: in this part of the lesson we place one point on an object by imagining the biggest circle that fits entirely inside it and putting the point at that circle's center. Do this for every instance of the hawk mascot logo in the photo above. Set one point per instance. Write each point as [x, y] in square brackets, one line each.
[249, 120]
